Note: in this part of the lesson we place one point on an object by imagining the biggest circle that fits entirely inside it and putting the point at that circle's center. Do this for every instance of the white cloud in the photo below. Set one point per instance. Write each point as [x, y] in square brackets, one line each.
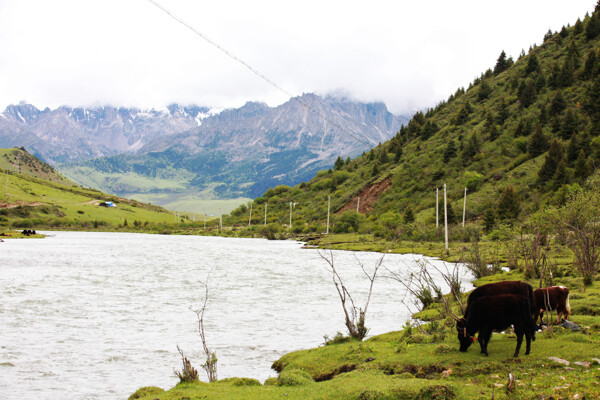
[408, 54]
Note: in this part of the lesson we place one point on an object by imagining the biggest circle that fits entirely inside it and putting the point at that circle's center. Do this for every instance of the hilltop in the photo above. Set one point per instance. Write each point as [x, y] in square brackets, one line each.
[523, 135]
[35, 196]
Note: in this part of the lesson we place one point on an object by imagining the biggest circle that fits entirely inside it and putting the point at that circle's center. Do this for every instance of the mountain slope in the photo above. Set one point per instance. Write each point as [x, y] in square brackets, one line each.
[522, 135]
[241, 152]
[72, 134]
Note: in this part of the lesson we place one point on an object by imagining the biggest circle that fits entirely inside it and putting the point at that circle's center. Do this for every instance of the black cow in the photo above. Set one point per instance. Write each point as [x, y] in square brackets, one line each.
[497, 312]
[505, 287]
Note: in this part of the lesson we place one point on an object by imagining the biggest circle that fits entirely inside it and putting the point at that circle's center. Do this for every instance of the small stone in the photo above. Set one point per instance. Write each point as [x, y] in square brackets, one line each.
[559, 360]
[562, 377]
[595, 361]
[585, 364]
[570, 368]
[498, 385]
[495, 376]
[560, 388]
[576, 396]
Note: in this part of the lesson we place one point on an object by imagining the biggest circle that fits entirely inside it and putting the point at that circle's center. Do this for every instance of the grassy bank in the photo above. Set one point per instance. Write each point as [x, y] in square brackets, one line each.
[424, 362]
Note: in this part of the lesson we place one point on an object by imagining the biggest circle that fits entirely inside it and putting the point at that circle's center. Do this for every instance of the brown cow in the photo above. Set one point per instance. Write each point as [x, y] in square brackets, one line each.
[552, 298]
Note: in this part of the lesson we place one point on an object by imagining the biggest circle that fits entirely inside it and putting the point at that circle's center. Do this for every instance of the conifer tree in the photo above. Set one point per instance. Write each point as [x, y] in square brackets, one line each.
[472, 147]
[578, 27]
[538, 143]
[502, 64]
[489, 219]
[540, 82]
[589, 68]
[573, 149]
[502, 112]
[582, 169]
[567, 74]
[494, 132]
[558, 104]
[543, 116]
[509, 206]
[560, 175]
[532, 64]
[569, 124]
[526, 93]
[429, 130]
[592, 28]
[592, 100]
[450, 151]
[339, 163]
[484, 90]
[553, 158]
[573, 55]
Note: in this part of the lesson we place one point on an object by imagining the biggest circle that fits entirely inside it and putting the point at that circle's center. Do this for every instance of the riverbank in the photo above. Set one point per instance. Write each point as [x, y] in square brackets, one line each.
[424, 362]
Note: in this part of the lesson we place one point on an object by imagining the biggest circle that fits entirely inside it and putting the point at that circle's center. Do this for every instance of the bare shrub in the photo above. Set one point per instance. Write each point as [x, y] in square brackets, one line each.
[354, 316]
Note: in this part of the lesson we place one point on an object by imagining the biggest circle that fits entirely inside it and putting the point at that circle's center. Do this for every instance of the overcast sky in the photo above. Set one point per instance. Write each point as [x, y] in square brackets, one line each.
[408, 54]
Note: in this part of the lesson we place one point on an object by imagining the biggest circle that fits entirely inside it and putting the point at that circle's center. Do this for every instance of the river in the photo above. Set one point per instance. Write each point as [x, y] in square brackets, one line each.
[98, 315]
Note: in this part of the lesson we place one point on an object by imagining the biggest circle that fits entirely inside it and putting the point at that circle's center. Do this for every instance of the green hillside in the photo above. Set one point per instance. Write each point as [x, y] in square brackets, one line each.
[34, 195]
[523, 135]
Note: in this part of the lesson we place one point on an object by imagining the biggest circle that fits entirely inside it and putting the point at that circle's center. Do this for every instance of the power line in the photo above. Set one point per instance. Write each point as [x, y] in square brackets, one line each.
[260, 75]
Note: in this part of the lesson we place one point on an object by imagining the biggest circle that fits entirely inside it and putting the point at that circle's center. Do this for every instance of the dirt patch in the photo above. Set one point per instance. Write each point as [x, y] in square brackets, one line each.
[368, 196]
[418, 371]
[14, 205]
[343, 369]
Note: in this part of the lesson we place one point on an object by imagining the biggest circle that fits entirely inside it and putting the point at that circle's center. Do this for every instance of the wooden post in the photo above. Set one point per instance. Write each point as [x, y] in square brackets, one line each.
[250, 217]
[358, 205]
[437, 219]
[266, 204]
[220, 219]
[445, 219]
[328, 207]
[464, 208]
[291, 202]
[204, 212]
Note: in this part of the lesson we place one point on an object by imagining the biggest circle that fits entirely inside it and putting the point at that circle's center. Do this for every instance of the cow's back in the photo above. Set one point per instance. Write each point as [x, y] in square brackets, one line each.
[499, 288]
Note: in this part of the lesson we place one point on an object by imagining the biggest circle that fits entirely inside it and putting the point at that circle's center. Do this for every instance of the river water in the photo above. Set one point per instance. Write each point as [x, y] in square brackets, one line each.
[98, 315]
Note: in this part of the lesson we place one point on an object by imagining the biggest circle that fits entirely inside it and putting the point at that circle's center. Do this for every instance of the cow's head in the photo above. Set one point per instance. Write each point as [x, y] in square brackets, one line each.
[464, 338]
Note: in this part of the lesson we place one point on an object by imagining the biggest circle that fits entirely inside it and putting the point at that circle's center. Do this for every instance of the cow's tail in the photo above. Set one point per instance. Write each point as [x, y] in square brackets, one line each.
[568, 305]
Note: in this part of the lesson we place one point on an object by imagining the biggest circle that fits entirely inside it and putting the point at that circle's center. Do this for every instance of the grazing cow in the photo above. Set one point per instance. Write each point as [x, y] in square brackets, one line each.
[505, 287]
[552, 298]
[497, 312]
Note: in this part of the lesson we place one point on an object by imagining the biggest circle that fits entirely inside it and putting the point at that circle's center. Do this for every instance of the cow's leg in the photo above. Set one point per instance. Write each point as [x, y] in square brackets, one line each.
[519, 332]
[527, 341]
[484, 338]
[560, 311]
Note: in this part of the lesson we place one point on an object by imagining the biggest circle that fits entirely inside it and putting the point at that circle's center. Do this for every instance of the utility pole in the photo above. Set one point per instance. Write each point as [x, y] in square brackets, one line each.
[291, 202]
[464, 208]
[204, 212]
[445, 219]
[358, 205]
[220, 219]
[328, 206]
[266, 204]
[437, 219]
[250, 218]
